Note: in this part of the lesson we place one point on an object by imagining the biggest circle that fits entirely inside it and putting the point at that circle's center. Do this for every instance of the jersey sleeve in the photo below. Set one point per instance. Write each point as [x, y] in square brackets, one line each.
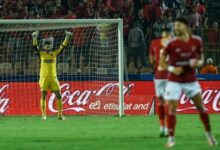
[61, 48]
[36, 46]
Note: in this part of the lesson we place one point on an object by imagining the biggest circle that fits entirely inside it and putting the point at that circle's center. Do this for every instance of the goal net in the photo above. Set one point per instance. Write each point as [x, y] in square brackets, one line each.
[90, 69]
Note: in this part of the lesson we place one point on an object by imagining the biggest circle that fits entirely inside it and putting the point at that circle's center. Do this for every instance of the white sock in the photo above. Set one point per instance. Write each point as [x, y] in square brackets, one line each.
[170, 139]
[162, 129]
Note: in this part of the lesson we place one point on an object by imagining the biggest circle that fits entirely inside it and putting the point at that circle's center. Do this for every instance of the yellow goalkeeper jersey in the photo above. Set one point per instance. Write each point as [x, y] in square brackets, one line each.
[48, 59]
[48, 62]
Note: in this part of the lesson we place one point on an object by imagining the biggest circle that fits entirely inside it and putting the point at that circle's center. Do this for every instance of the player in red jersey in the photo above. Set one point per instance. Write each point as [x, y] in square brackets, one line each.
[185, 53]
[160, 78]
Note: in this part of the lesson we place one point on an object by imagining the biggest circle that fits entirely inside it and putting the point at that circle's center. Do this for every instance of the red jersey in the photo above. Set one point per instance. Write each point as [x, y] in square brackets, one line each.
[156, 48]
[179, 54]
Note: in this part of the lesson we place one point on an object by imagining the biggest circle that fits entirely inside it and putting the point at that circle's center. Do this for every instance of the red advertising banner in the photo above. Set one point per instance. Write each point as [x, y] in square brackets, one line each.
[210, 96]
[97, 98]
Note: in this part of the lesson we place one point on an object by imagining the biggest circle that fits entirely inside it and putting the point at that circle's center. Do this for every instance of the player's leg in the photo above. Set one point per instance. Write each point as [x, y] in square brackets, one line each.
[161, 115]
[55, 87]
[204, 118]
[160, 89]
[43, 104]
[44, 85]
[172, 94]
[171, 122]
[193, 91]
[59, 104]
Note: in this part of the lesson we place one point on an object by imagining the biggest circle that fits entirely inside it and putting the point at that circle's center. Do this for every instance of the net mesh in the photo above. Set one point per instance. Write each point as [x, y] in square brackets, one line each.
[87, 68]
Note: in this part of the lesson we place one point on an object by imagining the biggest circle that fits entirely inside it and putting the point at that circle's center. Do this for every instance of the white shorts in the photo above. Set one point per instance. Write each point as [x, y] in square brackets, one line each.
[160, 85]
[174, 90]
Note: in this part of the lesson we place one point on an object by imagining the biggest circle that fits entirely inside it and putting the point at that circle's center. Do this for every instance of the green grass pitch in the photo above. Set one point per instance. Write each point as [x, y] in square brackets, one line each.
[101, 133]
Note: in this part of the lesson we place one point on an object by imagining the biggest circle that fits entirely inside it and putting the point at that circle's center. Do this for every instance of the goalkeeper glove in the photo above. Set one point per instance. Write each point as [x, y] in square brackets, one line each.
[35, 34]
[68, 34]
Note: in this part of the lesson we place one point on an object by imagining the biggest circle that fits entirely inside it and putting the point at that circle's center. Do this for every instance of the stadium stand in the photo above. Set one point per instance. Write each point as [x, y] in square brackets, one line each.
[150, 16]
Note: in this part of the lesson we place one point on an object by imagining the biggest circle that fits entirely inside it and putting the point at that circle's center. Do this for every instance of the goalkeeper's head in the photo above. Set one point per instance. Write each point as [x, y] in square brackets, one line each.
[48, 44]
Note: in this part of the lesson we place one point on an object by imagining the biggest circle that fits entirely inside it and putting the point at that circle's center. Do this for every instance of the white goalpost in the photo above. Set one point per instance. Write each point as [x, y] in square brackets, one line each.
[90, 69]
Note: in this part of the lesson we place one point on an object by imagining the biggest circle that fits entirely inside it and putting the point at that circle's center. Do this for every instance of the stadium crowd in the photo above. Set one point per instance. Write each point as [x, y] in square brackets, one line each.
[146, 16]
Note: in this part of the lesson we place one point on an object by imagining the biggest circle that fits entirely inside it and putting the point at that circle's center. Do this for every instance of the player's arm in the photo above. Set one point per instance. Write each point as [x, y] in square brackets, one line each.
[64, 43]
[34, 40]
[163, 55]
[151, 59]
[199, 61]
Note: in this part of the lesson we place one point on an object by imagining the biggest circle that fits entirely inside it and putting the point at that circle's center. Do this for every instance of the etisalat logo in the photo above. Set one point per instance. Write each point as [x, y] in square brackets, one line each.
[4, 102]
[76, 100]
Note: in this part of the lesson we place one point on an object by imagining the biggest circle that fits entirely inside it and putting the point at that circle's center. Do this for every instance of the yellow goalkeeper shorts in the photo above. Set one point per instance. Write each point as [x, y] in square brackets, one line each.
[49, 83]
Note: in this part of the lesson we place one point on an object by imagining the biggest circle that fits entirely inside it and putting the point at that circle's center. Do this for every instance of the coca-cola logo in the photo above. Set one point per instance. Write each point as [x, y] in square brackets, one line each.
[210, 97]
[4, 101]
[76, 100]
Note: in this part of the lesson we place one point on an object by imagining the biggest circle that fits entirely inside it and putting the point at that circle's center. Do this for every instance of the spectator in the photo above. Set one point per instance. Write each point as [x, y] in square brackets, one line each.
[32, 15]
[189, 3]
[173, 3]
[196, 21]
[9, 15]
[80, 10]
[118, 5]
[137, 46]
[89, 11]
[155, 2]
[201, 7]
[148, 9]
[127, 20]
[214, 35]
[58, 3]
[183, 11]
[105, 12]
[142, 23]
[209, 68]
[138, 4]
[19, 5]
[160, 9]
[54, 14]
[128, 7]
[23, 14]
[202, 12]
[108, 5]
[70, 15]
[169, 23]
[158, 26]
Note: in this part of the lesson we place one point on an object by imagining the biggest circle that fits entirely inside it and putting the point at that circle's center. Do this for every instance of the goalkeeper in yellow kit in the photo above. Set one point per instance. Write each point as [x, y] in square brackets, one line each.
[48, 73]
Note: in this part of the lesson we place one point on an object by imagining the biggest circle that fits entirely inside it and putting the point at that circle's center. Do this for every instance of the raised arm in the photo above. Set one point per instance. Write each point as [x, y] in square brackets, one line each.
[64, 43]
[34, 40]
